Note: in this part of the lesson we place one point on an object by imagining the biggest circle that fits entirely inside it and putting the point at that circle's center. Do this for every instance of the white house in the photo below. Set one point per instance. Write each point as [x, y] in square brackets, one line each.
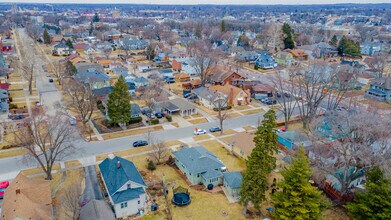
[124, 185]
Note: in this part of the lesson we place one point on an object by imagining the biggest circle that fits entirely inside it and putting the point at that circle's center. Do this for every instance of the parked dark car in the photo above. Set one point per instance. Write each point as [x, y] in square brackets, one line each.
[187, 95]
[140, 143]
[50, 80]
[145, 110]
[287, 95]
[150, 115]
[159, 115]
[271, 102]
[214, 129]
[278, 95]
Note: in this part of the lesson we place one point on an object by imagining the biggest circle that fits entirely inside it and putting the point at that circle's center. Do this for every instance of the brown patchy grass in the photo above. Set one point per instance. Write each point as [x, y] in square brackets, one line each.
[131, 132]
[232, 162]
[201, 137]
[248, 128]
[335, 213]
[39, 170]
[197, 115]
[241, 107]
[225, 132]
[233, 115]
[125, 153]
[252, 111]
[198, 121]
[13, 152]
[72, 163]
[172, 143]
[175, 124]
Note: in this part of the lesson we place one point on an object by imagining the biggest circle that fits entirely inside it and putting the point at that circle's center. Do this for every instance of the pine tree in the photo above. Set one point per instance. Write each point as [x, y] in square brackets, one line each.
[298, 199]
[375, 203]
[222, 26]
[96, 18]
[119, 102]
[91, 29]
[348, 47]
[334, 41]
[260, 162]
[46, 37]
[288, 37]
[70, 69]
[69, 43]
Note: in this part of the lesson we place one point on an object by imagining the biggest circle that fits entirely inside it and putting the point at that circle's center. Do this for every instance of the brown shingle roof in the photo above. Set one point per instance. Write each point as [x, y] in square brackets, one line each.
[244, 141]
[226, 89]
[27, 198]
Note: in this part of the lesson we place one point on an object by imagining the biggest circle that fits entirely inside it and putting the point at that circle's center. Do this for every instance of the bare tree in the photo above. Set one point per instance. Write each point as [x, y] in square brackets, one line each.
[286, 89]
[27, 72]
[310, 88]
[59, 71]
[381, 63]
[159, 151]
[34, 31]
[220, 103]
[204, 59]
[70, 201]
[366, 32]
[82, 100]
[361, 140]
[46, 138]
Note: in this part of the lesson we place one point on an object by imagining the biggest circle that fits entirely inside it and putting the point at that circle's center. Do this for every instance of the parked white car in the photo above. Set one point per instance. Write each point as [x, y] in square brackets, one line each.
[199, 131]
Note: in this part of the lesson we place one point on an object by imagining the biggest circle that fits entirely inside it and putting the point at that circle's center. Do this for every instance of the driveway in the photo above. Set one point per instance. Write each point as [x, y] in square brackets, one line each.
[92, 189]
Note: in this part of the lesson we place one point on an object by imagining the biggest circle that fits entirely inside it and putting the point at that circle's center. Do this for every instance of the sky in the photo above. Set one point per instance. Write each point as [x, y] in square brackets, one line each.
[191, 2]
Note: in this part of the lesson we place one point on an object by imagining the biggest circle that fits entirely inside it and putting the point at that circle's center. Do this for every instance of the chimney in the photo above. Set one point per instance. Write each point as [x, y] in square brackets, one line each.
[118, 164]
[17, 191]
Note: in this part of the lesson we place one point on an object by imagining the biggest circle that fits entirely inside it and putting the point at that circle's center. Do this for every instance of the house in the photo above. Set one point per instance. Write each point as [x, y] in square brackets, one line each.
[141, 82]
[62, 49]
[182, 77]
[104, 62]
[135, 111]
[247, 56]
[365, 78]
[345, 80]
[298, 54]
[111, 35]
[175, 106]
[235, 50]
[89, 50]
[80, 47]
[199, 166]
[124, 185]
[370, 49]
[265, 61]
[177, 66]
[27, 198]
[221, 75]
[132, 87]
[93, 75]
[96, 210]
[380, 89]
[260, 89]
[323, 49]
[236, 96]
[232, 181]
[284, 58]
[242, 144]
[293, 139]
[208, 97]
[120, 71]
[4, 98]
[5, 47]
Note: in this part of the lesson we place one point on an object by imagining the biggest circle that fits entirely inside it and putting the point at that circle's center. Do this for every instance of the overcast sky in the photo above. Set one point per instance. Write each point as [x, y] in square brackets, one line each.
[261, 2]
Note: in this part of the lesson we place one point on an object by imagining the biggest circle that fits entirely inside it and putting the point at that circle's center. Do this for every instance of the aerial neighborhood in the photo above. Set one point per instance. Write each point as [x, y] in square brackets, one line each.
[127, 111]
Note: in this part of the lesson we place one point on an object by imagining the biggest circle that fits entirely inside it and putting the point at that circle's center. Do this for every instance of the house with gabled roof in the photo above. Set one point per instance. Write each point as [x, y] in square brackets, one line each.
[199, 166]
[124, 185]
[233, 183]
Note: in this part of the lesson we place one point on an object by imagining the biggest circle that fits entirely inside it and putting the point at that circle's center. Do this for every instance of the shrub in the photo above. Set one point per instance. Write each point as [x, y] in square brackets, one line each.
[256, 67]
[225, 108]
[151, 166]
[13, 106]
[109, 123]
[169, 118]
[135, 120]
[154, 121]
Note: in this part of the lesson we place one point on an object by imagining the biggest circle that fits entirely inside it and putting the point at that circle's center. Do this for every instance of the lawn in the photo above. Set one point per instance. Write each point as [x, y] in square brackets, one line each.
[131, 132]
[241, 107]
[233, 115]
[248, 128]
[201, 137]
[198, 121]
[72, 163]
[125, 153]
[39, 170]
[225, 132]
[252, 111]
[233, 163]
[13, 152]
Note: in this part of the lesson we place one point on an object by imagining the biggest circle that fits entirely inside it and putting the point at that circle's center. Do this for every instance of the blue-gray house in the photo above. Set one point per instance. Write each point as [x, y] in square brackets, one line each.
[199, 165]
[141, 82]
[380, 89]
[135, 111]
[232, 183]
[93, 75]
[265, 61]
[293, 139]
[124, 185]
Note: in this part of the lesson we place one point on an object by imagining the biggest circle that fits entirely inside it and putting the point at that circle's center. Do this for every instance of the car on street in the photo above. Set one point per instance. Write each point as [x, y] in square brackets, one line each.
[151, 115]
[84, 202]
[271, 102]
[159, 115]
[140, 143]
[3, 187]
[214, 129]
[51, 80]
[199, 131]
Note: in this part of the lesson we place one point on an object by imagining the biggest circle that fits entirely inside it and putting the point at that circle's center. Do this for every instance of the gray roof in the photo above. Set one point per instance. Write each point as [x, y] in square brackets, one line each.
[206, 93]
[115, 177]
[384, 82]
[135, 109]
[182, 104]
[212, 174]
[233, 179]
[89, 67]
[96, 210]
[198, 159]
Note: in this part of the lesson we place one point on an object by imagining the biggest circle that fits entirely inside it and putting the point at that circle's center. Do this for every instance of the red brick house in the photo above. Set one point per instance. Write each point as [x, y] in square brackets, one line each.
[177, 66]
[221, 75]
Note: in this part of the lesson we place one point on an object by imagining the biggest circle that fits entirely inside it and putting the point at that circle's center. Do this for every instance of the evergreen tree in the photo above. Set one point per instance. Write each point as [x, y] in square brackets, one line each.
[69, 43]
[70, 69]
[119, 102]
[46, 37]
[96, 18]
[298, 198]
[222, 26]
[375, 203]
[349, 47]
[243, 41]
[334, 41]
[289, 36]
[260, 162]
[150, 52]
[91, 30]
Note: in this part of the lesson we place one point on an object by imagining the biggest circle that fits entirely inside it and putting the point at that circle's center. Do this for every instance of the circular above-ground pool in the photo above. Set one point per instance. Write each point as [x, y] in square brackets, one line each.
[181, 197]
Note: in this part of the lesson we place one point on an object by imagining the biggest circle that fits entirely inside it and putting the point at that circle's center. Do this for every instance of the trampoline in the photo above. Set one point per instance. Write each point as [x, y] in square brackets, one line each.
[181, 196]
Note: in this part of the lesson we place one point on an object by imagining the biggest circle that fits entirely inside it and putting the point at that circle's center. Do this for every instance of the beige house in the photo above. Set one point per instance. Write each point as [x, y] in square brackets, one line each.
[242, 143]
[236, 96]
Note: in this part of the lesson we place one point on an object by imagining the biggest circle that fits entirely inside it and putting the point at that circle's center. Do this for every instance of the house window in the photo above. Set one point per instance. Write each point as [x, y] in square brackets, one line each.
[128, 186]
[198, 175]
[138, 202]
[124, 205]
